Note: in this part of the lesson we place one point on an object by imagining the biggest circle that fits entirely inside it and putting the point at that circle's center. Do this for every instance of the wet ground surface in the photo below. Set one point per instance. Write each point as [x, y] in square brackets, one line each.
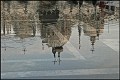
[60, 51]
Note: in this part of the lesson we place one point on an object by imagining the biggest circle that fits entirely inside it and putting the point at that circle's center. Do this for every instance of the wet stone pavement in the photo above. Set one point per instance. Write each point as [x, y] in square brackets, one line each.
[53, 43]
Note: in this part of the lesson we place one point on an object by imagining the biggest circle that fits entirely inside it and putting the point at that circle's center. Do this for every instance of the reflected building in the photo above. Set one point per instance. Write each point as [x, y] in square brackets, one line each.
[55, 32]
[23, 26]
[5, 11]
[93, 33]
[111, 6]
[48, 11]
[55, 36]
[54, 23]
[49, 16]
[24, 29]
[93, 26]
[17, 22]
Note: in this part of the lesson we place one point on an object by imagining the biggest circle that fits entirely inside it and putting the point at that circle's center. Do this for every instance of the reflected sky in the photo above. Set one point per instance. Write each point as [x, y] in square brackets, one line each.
[57, 32]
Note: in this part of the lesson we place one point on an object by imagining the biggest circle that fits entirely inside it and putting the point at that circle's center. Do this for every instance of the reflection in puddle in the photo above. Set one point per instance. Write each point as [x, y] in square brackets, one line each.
[22, 22]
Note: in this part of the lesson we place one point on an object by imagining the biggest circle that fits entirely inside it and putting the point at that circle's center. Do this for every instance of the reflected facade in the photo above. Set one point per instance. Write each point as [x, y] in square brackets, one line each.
[53, 23]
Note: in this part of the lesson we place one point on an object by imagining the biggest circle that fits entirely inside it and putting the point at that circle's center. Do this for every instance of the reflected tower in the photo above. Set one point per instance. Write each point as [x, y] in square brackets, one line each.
[55, 32]
[93, 28]
[55, 36]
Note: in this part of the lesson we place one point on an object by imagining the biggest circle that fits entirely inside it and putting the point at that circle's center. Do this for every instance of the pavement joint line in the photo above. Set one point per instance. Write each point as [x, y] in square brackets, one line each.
[59, 72]
[9, 61]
